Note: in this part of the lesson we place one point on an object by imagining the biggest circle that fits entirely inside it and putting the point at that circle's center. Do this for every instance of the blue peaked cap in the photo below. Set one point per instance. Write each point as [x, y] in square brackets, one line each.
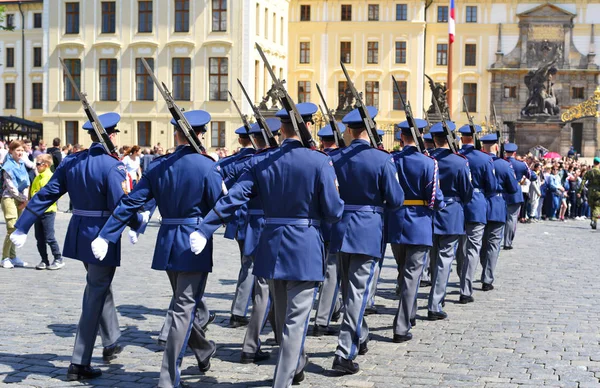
[466, 129]
[197, 119]
[511, 147]
[327, 131]
[241, 131]
[273, 123]
[380, 132]
[306, 110]
[428, 137]
[108, 120]
[353, 119]
[438, 128]
[489, 139]
[404, 127]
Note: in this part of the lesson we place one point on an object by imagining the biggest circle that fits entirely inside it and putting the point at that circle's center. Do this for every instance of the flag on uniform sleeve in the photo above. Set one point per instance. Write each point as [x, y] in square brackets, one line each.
[452, 22]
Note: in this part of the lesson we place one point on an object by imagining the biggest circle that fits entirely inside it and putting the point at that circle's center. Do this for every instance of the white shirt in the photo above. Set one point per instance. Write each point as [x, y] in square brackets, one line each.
[132, 166]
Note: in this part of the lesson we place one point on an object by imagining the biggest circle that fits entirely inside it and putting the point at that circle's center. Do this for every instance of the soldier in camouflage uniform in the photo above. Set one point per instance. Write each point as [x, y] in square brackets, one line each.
[592, 178]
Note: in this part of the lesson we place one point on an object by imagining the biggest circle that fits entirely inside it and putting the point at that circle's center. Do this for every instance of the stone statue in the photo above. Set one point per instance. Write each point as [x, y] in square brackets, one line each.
[272, 95]
[438, 92]
[542, 101]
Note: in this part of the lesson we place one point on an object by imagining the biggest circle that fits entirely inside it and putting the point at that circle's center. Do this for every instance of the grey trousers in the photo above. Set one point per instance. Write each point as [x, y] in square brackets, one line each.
[292, 302]
[410, 259]
[356, 272]
[512, 218]
[202, 313]
[443, 252]
[427, 267]
[98, 314]
[375, 282]
[185, 330]
[245, 283]
[260, 311]
[490, 250]
[329, 300]
[467, 256]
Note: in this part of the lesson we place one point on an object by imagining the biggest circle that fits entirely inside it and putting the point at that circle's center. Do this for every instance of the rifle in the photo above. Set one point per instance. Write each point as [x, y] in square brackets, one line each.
[498, 134]
[288, 104]
[244, 120]
[410, 119]
[472, 126]
[337, 134]
[364, 113]
[449, 138]
[176, 112]
[260, 120]
[426, 116]
[101, 133]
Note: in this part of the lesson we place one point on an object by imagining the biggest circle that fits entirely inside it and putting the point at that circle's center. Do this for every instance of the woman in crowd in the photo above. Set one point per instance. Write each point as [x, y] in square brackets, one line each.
[131, 160]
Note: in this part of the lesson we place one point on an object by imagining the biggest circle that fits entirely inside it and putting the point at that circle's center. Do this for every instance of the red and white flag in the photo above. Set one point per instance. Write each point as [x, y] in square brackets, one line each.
[452, 22]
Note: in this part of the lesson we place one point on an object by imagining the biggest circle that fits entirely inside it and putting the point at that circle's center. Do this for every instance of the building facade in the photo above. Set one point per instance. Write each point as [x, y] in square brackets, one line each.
[197, 48]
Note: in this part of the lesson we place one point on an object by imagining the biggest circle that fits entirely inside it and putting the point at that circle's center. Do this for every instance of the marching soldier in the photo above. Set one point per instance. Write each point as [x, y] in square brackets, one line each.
[448, 222]
[297, 190]
[514, 201]
[368, 183]
[592, 179]
[481, 166]
[329, 304]
[496, 211]
[427, 266]
[429, 144]
[409, 228]
[186, 186]
[95, 181]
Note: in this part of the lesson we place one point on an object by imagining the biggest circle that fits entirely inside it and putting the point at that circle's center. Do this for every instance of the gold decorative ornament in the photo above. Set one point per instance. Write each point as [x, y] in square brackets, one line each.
[588, 108]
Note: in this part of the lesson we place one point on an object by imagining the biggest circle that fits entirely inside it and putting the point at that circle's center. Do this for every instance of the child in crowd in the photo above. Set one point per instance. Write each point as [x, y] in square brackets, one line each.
[44, 226]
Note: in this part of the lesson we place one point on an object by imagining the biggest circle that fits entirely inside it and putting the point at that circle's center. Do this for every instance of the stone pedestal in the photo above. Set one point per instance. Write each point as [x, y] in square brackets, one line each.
[546, 131]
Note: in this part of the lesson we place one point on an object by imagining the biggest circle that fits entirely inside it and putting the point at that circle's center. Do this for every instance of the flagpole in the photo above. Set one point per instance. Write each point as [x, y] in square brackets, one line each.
[451, 34]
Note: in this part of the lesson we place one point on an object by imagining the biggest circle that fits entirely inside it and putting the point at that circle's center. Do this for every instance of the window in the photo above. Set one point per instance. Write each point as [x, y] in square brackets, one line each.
[470, 94]
[145, 16]
[373, 12]
[342, 85]
[400, 52]
[346, 12]
[471, 14]
[10, 21]
[219, 15]
[578, 93]
[72, 25]
[181, 78]
[108, 80]
[37, 57]
[372, 52]
[37, 20]
[10, 57]
[257, 19]
[372, 93]
[401, 12]
[218, 78]
[442, 16]
[182, 15]
[442, 54]
[345, 52]
[266, 23]
[36, 93]
[143, 133]
[217, 129]
[74, 66]
[305, 13]
[9, 95]
[510, 92]
[71, 132]
[470, 55]
[304, 52]
[303, 91]
[143, 81]
[108, 17]
[397, 101]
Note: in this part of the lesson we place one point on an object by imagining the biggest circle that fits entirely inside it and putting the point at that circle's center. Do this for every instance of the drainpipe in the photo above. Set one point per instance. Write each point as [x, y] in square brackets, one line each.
[22, 62]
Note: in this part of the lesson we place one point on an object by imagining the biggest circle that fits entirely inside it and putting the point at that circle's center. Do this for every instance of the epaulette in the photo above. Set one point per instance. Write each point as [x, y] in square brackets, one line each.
[263, 150]
[208, 156]
[245, 157]
[379, 149]
[158, 157]
[322, 152]
[461, 155]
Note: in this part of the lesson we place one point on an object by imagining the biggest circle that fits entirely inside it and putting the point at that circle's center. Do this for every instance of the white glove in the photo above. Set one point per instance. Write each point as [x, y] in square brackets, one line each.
[145, 217]
[100, 248]
[18, 238]
[197, 242]
[133, 237]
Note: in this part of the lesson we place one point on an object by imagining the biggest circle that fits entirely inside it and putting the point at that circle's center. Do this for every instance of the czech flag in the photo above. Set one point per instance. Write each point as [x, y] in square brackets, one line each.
[452, 22]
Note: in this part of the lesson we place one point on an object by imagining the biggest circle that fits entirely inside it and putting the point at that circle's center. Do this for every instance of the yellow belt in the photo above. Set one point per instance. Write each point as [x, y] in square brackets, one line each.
[415, 202]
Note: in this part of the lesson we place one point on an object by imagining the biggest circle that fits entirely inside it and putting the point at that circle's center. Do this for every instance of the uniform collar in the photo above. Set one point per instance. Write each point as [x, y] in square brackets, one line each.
[361, 141]
[407, 147]
[467, 146]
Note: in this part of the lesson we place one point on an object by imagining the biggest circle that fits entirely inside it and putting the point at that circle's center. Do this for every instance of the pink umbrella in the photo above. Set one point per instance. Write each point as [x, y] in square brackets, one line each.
[552, 155]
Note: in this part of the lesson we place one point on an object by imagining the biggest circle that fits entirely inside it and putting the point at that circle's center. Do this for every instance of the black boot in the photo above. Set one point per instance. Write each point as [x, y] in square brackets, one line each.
[82, 372]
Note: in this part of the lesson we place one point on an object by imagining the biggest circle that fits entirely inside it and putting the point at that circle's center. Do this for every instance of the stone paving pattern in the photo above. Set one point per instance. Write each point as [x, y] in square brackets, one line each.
[539, 327]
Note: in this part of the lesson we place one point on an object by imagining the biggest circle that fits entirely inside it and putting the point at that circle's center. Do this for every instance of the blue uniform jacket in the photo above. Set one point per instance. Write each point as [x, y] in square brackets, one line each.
[521, 170]
[326, 226]
[367, 178]
[294, 184]
[455, 182]
[483, 180]
[506, 184]
[95, 181]
[419, 179]
[185, 185]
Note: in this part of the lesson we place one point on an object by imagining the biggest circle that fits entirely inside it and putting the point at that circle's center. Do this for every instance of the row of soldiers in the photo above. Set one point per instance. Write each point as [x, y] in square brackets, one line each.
[304, 219]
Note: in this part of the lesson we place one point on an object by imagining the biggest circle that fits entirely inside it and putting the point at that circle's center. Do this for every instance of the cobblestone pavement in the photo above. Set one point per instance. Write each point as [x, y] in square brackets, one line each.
[539, 327]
